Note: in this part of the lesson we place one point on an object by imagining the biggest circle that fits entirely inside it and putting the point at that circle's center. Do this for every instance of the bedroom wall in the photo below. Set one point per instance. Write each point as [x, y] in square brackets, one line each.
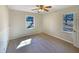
[52, 24]
[4, 28]
[17, 24]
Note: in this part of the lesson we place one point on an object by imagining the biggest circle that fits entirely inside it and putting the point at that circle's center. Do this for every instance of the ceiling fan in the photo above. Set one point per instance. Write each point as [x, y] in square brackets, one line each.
[42, 8]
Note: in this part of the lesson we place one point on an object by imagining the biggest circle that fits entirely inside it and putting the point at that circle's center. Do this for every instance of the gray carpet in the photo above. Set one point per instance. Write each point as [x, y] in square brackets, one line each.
[41, 43]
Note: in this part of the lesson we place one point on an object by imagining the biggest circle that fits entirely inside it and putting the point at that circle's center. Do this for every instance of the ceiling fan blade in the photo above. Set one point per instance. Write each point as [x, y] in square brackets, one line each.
[39, 5]
[48, 6]
[46, 10]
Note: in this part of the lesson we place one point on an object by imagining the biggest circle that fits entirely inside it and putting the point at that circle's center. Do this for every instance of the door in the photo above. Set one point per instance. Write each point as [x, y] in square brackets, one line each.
[76, 31]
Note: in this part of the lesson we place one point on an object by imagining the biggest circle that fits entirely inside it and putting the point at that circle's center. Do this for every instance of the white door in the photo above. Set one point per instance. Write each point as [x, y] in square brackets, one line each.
[76, 31]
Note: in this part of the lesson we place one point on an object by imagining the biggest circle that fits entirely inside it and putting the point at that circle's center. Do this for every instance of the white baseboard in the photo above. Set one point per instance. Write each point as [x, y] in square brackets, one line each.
[13, 38]
[77, 46]
[64, 39]
[60, 38]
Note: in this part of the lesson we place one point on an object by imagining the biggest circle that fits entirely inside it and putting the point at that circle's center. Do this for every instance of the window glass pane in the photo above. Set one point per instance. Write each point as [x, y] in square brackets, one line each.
[30, 22]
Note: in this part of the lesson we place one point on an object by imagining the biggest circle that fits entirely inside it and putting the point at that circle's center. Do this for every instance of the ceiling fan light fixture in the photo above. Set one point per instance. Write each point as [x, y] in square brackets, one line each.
[42, 8]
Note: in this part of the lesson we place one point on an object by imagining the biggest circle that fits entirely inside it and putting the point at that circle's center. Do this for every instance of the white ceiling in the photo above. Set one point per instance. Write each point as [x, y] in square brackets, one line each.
[28, 8]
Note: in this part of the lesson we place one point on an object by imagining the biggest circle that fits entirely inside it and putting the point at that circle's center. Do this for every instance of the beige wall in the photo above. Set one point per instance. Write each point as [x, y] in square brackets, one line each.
[4, 28]
[17, 24]
[52, 24]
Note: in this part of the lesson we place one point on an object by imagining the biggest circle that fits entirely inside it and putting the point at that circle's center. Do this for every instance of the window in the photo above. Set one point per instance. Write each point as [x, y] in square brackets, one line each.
[68, 22]
[30, 22]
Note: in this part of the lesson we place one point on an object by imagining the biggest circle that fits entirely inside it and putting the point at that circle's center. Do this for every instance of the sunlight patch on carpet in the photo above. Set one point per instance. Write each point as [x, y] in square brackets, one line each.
[24, 43]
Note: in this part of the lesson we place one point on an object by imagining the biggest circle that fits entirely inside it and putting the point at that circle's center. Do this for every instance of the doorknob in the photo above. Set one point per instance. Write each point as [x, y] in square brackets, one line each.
[74, 30]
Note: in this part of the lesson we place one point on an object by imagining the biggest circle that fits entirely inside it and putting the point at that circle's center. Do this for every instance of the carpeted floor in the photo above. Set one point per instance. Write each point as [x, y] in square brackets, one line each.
[41, 43]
